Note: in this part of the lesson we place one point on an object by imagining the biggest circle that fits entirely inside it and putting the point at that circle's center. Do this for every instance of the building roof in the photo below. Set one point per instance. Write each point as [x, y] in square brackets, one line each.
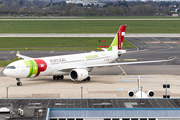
[32, 107]
[114, 112]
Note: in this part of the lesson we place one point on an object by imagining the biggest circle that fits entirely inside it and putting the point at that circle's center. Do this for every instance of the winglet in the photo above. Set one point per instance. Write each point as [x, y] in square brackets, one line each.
[17, 53]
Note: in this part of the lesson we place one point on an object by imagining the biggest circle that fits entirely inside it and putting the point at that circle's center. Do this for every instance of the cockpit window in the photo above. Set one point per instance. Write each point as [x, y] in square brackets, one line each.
[10, 67]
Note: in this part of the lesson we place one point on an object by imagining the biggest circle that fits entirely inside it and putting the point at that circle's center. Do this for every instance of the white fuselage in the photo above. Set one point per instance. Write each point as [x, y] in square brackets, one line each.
[58, 65]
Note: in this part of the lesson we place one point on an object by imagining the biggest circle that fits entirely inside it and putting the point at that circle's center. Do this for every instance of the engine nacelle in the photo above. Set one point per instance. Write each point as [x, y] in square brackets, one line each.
[78, 74]
[130, 93]
[150, 93]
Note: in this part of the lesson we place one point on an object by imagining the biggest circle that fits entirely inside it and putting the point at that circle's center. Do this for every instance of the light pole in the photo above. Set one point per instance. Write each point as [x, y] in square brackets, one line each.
[166, 86]
[81, 92]
[7, 91]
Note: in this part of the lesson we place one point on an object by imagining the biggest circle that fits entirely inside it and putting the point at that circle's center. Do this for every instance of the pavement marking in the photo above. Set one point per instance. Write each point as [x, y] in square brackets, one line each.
[51, 52]
[121, 69]
[107, 83]
[163, 42]
[171, 42]
[127, 80]
[127, 59]
[152, 42]
[160, 41]
[12, 52]
[120, 88]
[133, 89]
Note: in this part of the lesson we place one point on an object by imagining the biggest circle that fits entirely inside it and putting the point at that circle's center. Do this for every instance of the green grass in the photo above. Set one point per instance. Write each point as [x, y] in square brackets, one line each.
[126, 17]
[56, 43]
[93, 17]
[90, 26]
[5, 63]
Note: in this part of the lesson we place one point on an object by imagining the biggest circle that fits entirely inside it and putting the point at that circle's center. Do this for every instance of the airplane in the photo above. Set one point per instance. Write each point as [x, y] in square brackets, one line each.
[140, 93]
[77, 66]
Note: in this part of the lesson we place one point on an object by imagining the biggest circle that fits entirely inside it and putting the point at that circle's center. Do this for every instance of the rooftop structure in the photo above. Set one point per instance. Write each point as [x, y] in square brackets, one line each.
[87, 108]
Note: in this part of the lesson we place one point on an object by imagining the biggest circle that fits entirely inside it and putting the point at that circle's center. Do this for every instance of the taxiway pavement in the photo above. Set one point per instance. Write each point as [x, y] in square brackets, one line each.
[100, 86]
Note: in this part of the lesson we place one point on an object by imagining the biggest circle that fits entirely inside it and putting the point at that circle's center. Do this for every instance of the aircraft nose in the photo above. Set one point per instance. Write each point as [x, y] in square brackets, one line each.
[6, 72]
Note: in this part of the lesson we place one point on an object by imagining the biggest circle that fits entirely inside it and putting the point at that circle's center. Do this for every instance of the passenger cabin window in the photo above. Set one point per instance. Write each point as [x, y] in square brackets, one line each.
[10, 67]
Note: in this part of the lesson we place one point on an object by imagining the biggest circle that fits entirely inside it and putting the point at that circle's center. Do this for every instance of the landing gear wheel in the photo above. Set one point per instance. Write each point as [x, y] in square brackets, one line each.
[88, 78]
[62, 77]
[19, 84]
[54, 77]
[58, 77]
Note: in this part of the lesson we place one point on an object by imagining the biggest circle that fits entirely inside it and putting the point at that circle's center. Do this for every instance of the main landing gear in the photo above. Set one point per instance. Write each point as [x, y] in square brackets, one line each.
[58, 77]
[87, 79]
[18, 82]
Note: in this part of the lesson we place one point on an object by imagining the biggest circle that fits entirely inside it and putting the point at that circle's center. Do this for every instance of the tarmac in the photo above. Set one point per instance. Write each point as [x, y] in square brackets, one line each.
[100, 86]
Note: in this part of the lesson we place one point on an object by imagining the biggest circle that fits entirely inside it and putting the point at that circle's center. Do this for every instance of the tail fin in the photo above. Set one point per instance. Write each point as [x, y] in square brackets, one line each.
[118, 39]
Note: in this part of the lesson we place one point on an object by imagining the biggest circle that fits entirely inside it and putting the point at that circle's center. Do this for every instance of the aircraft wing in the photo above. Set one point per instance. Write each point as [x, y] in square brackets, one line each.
[111, 64]
[129, 63]
[22, 56]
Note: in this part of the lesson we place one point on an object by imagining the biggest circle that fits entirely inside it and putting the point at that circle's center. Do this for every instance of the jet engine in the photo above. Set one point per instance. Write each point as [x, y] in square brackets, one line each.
[130, 93]
[78, 74]
[150, 93]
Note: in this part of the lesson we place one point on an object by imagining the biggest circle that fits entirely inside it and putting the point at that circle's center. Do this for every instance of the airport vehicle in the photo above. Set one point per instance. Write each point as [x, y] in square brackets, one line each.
[76, 65]
[140, 93]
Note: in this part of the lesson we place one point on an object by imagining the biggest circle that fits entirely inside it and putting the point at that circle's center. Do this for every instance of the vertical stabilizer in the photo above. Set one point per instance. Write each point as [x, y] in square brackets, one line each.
[118, 39]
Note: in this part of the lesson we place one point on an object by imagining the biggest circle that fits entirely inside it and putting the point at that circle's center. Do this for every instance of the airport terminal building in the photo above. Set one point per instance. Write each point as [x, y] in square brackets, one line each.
[90, 109]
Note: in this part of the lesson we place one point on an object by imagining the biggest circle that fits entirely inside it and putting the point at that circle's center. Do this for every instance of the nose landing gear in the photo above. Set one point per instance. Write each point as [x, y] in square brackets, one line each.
[18, 82]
